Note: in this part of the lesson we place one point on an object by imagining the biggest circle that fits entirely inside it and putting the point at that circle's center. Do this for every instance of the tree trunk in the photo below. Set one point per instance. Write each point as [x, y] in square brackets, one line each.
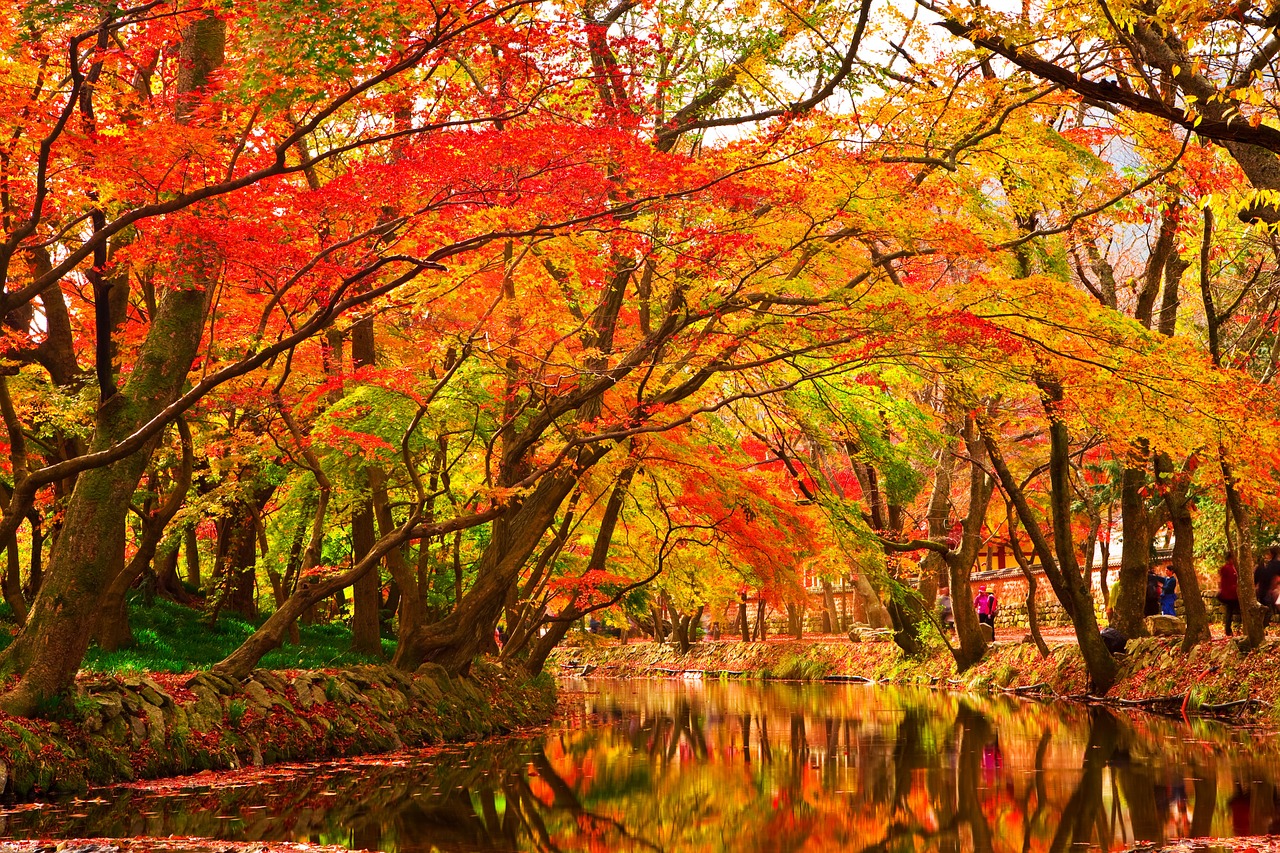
[831, 610]
[680, 631]
[795, 621]
[540, 647]
[112, 630]
[1179, 505]
[168, 585]
[191, 556]
[12, 584]
[271, 634]
[960, 560]
[1033, 607]
[1250, 610]
[82, 564]
[877, 614]
[52, 644]
[366, 593]
[759, 633]
[1060, 567]
[236, 562]
[1100, 663]
[411, 610]
[1128, 596]
[454, 641]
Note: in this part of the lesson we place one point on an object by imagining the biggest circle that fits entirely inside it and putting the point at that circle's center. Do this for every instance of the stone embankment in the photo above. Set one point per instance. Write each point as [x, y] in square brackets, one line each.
[1154, 674]
[134, 727]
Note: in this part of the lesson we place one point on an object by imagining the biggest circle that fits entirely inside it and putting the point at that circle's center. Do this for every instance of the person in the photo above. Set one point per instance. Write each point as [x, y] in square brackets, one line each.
[1229, 593]
[985, 603]
[1272, 595]
[1169, 592]
[1155, 587]
[1113, 640]
[1264, 577]
[1111, 636]
[946, 612]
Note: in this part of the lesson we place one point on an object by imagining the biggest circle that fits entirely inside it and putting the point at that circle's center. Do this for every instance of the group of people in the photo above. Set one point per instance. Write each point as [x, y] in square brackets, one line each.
[1162, 593]
[1266, 586]
[984, 602]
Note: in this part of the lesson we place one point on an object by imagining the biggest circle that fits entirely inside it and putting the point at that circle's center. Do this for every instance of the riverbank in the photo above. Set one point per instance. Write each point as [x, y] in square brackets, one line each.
[124, 728]
[1154, 673]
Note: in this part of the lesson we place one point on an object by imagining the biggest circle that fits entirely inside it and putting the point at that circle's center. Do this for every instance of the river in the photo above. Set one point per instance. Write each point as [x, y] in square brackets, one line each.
[678, 766]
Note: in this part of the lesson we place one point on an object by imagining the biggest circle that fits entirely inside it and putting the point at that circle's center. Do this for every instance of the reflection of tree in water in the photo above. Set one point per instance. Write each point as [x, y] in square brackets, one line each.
[750, 768]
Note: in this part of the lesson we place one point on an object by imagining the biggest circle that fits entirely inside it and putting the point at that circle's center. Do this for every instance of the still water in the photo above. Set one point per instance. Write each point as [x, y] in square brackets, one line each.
[710, 766]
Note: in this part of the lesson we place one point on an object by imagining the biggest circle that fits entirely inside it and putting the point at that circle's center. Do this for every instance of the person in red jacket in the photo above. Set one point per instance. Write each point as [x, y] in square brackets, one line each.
[1229, 593]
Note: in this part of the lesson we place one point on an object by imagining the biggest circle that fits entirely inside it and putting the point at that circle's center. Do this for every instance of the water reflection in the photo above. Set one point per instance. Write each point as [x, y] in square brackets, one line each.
[684, 766]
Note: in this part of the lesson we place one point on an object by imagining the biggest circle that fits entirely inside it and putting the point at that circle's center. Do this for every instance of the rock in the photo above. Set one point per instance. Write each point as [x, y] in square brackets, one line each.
[436, 672]
[855, 635]
[139, 729]
[152, 695]
[428, 689]
[131, 701]
[207, 713]
[1166, 626]
[988, 633]
[269, 680]
[109, 705]
[211, 682]
[155, 727]
[395, 675]
[338, 689]
[302, 687]
[257, 695]
[179, 724]
[116, 730]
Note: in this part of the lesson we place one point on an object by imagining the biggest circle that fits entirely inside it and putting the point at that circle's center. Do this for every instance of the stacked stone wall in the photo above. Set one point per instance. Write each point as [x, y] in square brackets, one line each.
[132, 727]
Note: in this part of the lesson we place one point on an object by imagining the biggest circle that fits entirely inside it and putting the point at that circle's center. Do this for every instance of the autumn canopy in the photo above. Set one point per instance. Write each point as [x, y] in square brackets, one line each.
[441, 319]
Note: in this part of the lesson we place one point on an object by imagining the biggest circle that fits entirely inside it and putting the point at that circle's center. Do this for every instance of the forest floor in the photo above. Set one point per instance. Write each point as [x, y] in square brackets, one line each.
[169, 637]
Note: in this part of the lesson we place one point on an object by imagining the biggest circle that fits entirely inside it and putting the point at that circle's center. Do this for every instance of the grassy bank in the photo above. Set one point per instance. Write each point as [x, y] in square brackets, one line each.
[169, 637]
[1154, 672]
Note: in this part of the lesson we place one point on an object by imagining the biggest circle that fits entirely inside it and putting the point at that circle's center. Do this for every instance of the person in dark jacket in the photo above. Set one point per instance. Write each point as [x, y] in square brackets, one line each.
[1112, 638]
[1265, 575]
[1155, 587]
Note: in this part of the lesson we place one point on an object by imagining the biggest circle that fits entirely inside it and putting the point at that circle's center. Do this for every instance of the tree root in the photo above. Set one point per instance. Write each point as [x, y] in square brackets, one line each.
[1037, 689]
[1175, 705]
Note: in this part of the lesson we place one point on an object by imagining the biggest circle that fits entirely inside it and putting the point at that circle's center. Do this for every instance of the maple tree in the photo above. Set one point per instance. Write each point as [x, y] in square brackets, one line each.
[446, 318]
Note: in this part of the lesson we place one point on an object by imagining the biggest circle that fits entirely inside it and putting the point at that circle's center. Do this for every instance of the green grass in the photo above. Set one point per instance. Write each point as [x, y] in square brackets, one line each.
[171, 638]
[797, 667]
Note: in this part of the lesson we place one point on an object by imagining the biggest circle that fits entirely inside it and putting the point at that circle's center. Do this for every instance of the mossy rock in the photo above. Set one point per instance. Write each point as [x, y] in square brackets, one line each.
[435, 672]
